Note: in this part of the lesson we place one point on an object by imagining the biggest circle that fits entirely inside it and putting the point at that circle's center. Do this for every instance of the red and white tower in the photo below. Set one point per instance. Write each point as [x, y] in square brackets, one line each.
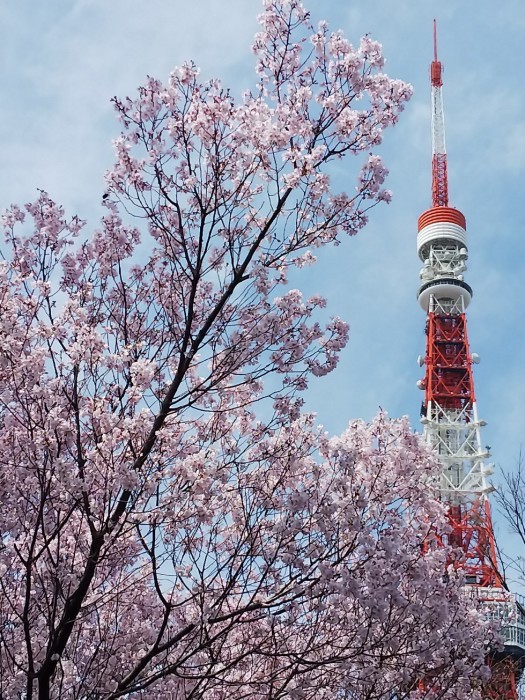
[449, 412]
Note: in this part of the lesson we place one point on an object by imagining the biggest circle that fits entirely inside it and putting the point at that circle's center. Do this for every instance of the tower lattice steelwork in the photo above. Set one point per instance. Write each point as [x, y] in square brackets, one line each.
[449, 412]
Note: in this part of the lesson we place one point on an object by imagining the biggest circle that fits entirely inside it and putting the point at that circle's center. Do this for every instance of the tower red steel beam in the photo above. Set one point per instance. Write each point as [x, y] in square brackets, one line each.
[449, 411]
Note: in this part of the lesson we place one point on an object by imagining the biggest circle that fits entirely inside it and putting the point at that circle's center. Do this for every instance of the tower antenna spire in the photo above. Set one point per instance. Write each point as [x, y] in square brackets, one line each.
[439, 152]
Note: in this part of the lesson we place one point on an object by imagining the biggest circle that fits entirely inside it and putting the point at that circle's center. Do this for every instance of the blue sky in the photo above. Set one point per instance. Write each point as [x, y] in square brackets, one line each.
[63, 61]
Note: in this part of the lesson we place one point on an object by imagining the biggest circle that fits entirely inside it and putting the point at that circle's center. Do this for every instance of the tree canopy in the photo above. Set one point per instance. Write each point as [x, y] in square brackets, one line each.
[173, 524]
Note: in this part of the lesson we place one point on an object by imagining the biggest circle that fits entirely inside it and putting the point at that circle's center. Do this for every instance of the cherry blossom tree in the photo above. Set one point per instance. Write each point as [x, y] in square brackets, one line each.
[161, 538]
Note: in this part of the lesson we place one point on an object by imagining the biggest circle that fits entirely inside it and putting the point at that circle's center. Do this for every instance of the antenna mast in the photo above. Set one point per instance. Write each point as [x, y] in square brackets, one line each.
[439, 152]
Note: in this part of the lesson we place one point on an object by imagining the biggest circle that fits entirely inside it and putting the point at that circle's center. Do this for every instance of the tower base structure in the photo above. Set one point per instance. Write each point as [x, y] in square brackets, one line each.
[506, 664]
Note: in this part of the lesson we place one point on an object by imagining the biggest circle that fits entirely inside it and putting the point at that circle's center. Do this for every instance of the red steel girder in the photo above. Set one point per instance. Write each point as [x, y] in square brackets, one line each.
[439, 180]
[502, 685]
[471, 531]
[448, 380]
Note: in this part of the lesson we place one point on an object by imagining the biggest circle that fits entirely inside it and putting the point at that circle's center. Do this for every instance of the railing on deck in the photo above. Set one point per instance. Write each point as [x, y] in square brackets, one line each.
[514, 632]
[507, 607]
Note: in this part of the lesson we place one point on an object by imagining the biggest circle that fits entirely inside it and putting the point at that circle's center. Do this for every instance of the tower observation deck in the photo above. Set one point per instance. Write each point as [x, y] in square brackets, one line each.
[449, 412]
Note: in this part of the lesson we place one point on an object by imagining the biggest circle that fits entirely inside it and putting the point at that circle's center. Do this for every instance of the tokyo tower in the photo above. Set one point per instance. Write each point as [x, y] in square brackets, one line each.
[449, 412]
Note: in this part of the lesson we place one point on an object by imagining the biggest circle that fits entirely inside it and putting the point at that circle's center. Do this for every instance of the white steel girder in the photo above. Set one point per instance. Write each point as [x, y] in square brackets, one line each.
[455, 438]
